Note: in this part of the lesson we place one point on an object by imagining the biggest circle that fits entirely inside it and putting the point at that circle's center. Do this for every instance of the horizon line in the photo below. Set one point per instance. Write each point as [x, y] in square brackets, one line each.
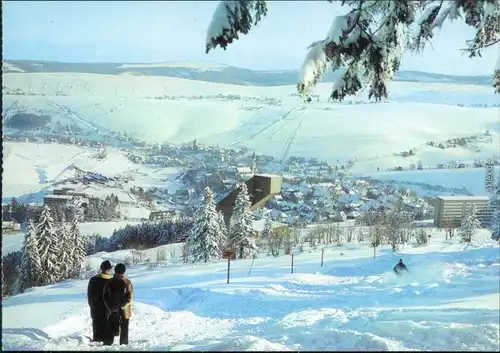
[215, 63]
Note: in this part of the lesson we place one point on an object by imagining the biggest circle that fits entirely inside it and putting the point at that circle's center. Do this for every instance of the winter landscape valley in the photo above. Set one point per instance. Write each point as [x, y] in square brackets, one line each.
[126, 162]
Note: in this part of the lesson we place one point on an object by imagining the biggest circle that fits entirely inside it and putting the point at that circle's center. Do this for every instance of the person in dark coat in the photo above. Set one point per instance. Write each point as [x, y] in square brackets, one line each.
[118, 295]
[400, 268]
[94, 296]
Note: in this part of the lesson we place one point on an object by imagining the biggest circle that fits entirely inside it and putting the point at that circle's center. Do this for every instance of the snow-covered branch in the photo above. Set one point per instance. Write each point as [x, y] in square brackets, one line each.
[496, 77]
[429, 19]
[344, 35]
[232, 18]
[370, 36]
[488, 30]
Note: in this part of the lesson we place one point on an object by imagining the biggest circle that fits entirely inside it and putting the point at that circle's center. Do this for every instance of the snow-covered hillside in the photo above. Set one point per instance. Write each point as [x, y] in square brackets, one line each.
[473, 180]
[448, 301]
[269, 120]
[193, 65]
[30, 168]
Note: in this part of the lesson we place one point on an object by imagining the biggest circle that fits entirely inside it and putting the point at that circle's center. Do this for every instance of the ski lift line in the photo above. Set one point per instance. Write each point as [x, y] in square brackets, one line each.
[237, 142]
[270, 125]
[286, 122]
[291, 139]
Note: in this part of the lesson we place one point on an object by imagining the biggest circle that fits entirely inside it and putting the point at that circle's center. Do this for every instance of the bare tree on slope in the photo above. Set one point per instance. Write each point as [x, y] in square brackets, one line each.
[369, 39]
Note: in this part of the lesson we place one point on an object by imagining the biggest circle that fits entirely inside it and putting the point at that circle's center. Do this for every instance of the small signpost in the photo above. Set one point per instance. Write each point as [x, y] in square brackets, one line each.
[229, 255]
[322, 254]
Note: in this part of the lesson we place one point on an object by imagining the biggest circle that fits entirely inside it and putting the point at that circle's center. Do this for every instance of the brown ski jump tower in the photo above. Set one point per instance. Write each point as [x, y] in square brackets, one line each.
[261, 187]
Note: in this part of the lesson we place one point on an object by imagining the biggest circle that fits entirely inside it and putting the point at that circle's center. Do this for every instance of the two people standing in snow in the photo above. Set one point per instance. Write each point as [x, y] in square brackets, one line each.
[400, 268]
[110, 301]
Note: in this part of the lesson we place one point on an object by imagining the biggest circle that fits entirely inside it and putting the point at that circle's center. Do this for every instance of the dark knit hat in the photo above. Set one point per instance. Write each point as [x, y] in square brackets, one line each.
[120, 269]
[106, 266]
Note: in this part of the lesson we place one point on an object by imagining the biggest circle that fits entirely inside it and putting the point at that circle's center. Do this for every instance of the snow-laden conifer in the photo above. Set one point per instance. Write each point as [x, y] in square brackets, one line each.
[223, 230]
[204, 239]
[48, 247]
[241, 234]
[30, 270]
[469, 223]
[77, 241]
[65, 253]
[495, 208]
[267, 228]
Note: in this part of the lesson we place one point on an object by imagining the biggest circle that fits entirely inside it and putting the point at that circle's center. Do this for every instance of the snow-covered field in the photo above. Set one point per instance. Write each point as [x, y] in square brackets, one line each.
[269, 120]
[29, 168]
[448, 301]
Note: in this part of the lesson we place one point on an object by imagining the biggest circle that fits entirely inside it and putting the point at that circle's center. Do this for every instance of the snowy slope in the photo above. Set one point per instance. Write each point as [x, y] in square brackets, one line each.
[269, 120]
[31, 168]
[473, 179]
[449, 301]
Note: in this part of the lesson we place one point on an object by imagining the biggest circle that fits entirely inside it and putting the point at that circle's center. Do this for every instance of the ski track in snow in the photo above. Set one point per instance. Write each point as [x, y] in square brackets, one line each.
[355, 303]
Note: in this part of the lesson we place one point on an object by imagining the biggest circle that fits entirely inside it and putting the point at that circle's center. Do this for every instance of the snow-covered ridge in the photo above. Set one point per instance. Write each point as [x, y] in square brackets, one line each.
[195, 65]
[219, 73]
[7, 67]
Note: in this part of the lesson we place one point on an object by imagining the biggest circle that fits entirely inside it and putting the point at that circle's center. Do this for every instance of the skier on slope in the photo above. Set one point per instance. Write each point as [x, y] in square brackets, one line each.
[400, 268]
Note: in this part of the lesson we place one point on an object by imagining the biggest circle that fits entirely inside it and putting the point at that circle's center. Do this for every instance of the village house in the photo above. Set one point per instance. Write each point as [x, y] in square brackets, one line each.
[10, 227]
[243, 172]
[162, 215]
[279, 216]
[57, 200]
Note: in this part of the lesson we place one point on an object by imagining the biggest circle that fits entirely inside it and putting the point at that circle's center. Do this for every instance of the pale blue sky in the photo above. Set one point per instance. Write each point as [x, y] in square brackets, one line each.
[121, 31]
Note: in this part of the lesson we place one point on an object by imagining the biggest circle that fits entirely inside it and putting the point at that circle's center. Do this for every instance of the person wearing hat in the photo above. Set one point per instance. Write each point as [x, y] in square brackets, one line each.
[118, 295]
[95, 299]
[400, 268]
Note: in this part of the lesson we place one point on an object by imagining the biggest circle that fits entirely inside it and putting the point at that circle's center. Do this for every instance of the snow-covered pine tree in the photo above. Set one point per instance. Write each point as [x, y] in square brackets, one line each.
[204, 238]
[241, 237]
[369, 39]
[48, 246]
[495, 217]
[3, 281]
[78, 212]
[267, 228]
[469, 223]
[77, 241]
[223, 230]
[31, 269]
[65, 249]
